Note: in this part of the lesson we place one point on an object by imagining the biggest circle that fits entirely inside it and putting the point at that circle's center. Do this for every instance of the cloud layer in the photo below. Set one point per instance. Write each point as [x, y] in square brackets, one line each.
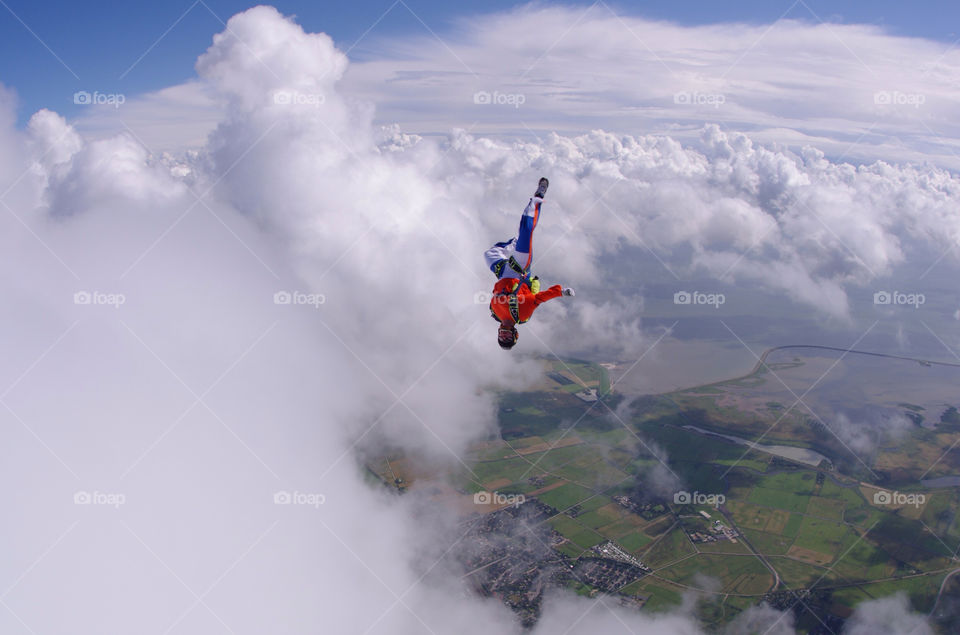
[852, 90]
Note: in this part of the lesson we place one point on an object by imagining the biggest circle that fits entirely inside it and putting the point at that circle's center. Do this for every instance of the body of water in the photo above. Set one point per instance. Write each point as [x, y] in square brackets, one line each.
[800, 455]
[943, 481]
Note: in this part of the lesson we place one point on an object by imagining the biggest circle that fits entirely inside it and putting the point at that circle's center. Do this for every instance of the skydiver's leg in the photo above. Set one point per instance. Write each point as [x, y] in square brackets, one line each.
[521, 247]
[498, 253]
[528, 222]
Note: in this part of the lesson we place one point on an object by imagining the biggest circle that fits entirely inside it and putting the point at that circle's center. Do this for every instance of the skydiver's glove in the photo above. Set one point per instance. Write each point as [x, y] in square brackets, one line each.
[568, 292]
[535, 284]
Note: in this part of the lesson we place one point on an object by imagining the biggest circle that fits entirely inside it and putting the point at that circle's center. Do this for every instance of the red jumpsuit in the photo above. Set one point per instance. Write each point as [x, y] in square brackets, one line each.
[526, 302]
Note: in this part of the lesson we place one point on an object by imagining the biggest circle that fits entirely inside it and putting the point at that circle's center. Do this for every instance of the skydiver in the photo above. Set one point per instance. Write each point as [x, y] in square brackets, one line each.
[516, 294]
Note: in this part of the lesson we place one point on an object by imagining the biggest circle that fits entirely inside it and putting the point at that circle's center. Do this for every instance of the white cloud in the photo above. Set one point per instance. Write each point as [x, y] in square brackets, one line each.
[854, 91]
[581, 69]
[863, 432]
[579, 616]
[762, 618]
[886, 616]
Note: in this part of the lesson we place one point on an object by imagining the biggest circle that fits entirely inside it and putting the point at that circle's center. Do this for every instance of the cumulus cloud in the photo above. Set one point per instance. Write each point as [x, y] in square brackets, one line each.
[762, 618]
[658, 480]
[885, 616]
[223, 330]
[866, 430]
[795, 224]
[580, 616]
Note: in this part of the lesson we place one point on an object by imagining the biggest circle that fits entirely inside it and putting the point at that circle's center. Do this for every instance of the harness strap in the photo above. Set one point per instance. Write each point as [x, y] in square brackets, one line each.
[512, 262]
[514, 306]
[512, 302]
[517, 267]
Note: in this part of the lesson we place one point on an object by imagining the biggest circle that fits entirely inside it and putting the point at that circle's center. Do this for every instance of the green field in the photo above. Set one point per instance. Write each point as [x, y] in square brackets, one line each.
[668, 548]
[770, 544]
[565, 496]
[824, 536]
[737, 574]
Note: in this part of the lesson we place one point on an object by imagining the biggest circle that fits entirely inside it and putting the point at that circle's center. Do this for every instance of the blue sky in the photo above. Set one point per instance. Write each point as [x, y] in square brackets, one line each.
[99, 41]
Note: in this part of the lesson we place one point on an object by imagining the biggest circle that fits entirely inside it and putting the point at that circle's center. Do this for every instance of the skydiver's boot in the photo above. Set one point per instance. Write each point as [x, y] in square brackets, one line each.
[542, 188]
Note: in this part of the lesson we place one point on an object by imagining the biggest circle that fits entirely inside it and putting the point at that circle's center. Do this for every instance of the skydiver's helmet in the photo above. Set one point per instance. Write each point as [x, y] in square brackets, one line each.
[507, 337]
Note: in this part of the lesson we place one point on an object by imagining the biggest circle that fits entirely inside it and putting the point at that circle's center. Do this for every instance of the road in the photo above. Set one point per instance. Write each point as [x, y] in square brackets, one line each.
[943, 585]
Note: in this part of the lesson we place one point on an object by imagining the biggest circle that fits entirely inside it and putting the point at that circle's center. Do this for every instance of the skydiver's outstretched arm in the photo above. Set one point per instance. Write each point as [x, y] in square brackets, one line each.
[553, 292]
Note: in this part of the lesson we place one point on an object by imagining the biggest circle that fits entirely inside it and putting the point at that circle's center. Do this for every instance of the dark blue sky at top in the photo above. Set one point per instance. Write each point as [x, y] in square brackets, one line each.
[99, 40]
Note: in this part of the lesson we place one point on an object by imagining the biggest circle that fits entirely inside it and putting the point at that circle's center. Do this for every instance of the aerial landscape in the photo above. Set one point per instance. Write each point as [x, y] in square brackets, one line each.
[802, 524]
